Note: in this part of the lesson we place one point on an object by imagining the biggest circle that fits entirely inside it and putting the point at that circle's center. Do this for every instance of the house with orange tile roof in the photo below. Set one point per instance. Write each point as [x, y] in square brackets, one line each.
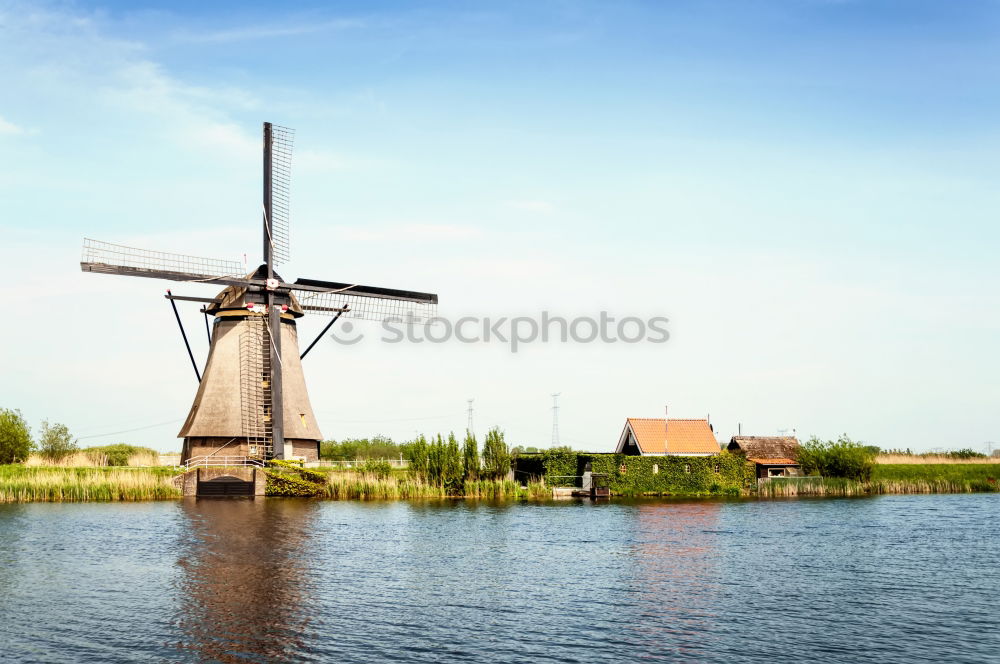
[663, 436]
[774, 456]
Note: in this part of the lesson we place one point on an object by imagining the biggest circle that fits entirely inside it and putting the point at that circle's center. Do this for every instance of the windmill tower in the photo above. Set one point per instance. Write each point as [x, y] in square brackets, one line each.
[252, 401]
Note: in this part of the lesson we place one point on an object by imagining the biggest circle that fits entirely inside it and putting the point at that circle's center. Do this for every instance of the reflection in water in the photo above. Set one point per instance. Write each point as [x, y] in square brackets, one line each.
[244, 571]
[676, 573]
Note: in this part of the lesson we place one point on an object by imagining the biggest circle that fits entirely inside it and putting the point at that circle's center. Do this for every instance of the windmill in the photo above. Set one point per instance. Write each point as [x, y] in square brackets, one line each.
[252, 402]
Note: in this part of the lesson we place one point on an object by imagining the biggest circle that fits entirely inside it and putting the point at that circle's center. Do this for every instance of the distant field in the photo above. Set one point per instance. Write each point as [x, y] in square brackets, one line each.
[950, 477]
[948, 472]
[929, 459]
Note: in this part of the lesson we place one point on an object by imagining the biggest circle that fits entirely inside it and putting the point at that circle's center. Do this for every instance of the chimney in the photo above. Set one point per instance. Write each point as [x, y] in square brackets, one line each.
[666, 425]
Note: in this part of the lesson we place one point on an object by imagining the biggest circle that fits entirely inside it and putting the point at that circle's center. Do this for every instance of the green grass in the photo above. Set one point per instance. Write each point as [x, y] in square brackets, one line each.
[49, 484]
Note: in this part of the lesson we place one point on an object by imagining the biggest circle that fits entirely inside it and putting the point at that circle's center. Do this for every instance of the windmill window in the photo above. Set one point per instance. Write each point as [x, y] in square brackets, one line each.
[656, 469]
[687, 468]
[621, 469]
[717, 469]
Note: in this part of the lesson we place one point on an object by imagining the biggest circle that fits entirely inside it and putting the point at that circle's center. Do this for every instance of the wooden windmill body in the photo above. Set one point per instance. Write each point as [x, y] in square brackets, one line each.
[252, 403]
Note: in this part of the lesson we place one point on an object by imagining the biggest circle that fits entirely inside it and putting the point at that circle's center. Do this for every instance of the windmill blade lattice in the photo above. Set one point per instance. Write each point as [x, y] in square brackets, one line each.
[366, 307]
[118, 259]
[281, 180]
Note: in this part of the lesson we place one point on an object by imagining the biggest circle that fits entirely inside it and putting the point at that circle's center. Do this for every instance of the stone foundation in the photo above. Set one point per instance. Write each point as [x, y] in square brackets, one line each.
[188, 482]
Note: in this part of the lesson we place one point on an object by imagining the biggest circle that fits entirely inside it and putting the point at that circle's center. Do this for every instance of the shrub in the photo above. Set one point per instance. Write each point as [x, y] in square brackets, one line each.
[496, 456]
[349, 449]
[379, 468]
[116, 455]
[15, 436]
[840, 458]
[291, 480]
[55, 443]
[966, 454]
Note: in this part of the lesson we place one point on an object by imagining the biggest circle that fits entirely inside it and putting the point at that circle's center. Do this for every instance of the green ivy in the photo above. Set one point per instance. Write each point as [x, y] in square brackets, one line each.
[720, 474]
[561, 465]
[292, 480]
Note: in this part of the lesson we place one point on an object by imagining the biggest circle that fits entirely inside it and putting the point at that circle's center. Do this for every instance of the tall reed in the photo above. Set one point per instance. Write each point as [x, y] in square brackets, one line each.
[369, 486]
[27, 484]
[837, 486]
[930, 459]
[98, 459]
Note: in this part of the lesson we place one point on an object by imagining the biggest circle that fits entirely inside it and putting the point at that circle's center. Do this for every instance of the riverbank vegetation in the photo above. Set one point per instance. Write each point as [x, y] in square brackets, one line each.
[20, 483]
[924, 459]
[892, 479]
[437, 468]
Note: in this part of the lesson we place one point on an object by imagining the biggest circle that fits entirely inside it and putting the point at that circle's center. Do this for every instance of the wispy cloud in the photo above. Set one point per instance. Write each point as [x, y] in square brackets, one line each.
[256, 32]
[8, 128]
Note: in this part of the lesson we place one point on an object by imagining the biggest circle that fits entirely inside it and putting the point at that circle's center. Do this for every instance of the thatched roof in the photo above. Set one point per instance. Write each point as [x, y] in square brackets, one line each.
[772, 448]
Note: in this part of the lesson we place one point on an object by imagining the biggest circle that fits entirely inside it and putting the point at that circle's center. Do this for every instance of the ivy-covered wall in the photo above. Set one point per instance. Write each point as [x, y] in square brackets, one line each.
[723, 473]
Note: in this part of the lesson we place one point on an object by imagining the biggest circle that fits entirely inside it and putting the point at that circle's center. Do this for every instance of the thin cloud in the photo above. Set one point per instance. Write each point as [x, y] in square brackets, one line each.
[256, 32]
[8, 128]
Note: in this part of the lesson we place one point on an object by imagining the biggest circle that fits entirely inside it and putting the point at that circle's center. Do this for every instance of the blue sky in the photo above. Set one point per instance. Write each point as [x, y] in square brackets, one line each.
[805, 188]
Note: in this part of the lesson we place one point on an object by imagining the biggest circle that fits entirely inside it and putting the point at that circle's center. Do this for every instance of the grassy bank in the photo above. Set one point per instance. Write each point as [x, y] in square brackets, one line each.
[894, 478]
[19, 484]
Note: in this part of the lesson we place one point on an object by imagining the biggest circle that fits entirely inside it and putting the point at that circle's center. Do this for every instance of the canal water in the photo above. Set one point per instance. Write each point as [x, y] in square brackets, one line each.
[892, 578]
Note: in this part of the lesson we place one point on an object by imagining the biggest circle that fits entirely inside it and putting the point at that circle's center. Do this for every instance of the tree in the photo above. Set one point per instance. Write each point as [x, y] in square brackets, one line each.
[15, 436]
[435, 461]
[496, 456]
[416, 454]
[840, 458]
[451, 471]
[55, 443]
[470, 457]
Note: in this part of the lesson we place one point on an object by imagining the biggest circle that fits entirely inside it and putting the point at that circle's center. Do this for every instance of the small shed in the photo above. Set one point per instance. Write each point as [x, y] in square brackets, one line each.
[774, 456]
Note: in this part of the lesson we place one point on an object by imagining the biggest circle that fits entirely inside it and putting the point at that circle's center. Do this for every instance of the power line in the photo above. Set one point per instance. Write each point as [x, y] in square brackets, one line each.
[115, 433]
[398, 419]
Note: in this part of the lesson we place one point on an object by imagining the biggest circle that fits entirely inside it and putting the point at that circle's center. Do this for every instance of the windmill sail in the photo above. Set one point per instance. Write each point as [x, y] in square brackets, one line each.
[119, 259]
[281, 180]
[364, 302]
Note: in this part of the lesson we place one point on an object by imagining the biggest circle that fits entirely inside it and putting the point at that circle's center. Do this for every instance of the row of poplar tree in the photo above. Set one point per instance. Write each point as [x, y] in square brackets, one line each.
[446, 463]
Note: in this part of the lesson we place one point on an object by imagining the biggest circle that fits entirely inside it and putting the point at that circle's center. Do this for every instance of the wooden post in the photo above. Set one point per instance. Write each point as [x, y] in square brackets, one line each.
[273, 312]
[268, 258]
[277, 405]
